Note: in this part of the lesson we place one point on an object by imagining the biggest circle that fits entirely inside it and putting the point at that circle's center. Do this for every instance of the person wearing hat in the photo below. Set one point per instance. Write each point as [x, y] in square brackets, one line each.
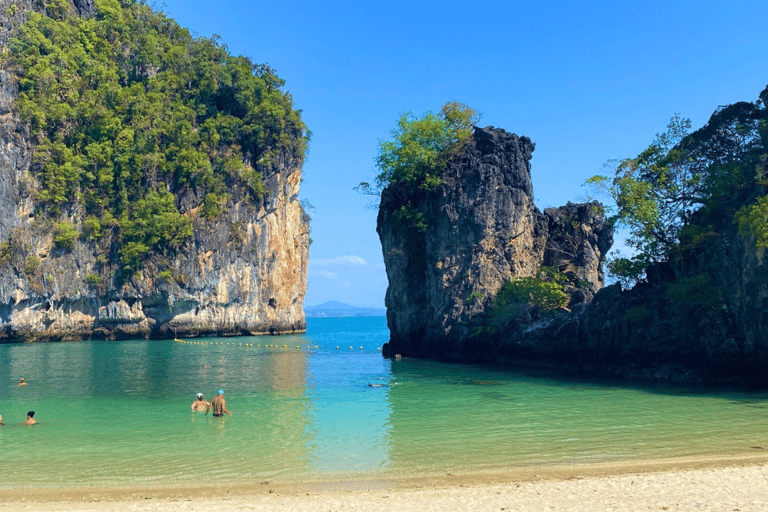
[218, 404]
[201, 403]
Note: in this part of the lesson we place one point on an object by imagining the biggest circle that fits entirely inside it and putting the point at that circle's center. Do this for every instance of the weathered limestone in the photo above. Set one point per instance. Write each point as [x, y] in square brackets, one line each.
[483, 230]
[243, 272]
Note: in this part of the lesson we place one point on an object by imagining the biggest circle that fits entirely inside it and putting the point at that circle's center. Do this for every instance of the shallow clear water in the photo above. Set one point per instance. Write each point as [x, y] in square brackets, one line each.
[117, 413]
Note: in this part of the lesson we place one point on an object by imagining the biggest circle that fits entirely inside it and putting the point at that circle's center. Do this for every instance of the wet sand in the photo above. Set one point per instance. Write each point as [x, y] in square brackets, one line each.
[738, 483]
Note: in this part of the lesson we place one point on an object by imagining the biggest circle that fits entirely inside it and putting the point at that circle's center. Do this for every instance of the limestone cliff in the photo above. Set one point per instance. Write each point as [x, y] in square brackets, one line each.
[483, 229]
[244, 271]
[711, 328]
[701, 317]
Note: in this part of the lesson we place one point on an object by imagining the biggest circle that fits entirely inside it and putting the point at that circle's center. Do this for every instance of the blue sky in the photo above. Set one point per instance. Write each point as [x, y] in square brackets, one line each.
[586, 81]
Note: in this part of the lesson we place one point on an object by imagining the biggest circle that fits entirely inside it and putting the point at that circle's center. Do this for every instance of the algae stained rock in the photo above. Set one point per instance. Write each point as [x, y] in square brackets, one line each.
[482, 230]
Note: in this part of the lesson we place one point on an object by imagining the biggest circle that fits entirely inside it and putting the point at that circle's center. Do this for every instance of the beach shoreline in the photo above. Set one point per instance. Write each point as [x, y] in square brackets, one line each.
[738, 481]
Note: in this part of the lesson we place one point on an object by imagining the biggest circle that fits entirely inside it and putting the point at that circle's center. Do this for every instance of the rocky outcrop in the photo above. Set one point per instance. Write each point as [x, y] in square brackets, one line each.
[482, 230]
[244, 272]
[700, 318]
[712, 329]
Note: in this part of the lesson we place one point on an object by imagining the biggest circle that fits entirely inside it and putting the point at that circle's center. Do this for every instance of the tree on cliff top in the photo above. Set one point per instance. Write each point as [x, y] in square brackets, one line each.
[420, 148]
[716, 174]
[413, 160]
[127, 107]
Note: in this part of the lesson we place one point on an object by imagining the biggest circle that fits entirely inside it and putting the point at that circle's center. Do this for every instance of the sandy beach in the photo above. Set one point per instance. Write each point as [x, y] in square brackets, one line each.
[677, 485]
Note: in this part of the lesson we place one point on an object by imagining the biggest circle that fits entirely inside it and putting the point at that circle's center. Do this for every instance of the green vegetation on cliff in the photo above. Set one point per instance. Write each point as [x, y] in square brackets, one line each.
[412, 162]
[523, 296]
[421, 147]
[127, 110]
[681, 193]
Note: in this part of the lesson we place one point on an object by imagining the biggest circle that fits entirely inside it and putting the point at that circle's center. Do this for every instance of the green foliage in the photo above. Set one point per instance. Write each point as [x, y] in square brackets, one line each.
[128, 102]
[409, 218]
[32, 265]
[92, 229]
[654, 191]
[93, 279]
[712, 177]
[212, 205]
[413, 160]
[156, 224]
[545, 295]
[544, 292]
[65, 235]
[474, 296]
[165, 275]
[421, 147]
[627, 271]
[5, 252]
[753, 221]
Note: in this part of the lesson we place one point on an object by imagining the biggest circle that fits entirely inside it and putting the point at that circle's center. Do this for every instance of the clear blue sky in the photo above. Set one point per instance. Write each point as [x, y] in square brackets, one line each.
[586, 81]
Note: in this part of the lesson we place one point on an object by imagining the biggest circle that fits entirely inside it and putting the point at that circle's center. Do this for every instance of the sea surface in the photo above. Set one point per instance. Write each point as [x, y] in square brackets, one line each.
[326, 405]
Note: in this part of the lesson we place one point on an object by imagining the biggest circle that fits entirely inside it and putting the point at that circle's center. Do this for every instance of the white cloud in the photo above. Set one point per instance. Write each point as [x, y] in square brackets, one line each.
[325, 274]
[341, 260]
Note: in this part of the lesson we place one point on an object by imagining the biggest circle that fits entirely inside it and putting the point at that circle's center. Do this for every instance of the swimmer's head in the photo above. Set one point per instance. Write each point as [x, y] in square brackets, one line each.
[199, 395]
[221, 391]
[31, 414]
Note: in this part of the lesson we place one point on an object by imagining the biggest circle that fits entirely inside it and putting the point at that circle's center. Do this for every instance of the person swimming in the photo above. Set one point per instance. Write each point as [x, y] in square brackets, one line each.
[30, 418]
[22, 381]
[219, 405]
[201, 404]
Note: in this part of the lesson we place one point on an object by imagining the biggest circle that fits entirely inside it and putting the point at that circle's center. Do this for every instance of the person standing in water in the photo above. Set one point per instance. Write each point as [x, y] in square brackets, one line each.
[218, 404]
[201, 404]
[30, 418]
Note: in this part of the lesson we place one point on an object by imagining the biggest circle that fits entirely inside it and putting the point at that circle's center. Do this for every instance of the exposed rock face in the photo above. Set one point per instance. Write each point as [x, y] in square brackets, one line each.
[702, 318]
[483, 230]
[243, 272]
[648, 334]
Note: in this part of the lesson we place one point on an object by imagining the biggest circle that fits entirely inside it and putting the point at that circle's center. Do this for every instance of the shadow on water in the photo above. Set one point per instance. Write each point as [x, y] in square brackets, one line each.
[119, 412]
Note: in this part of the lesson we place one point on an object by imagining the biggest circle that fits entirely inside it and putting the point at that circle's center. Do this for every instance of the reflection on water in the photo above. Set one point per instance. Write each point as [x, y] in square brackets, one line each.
[117, 413]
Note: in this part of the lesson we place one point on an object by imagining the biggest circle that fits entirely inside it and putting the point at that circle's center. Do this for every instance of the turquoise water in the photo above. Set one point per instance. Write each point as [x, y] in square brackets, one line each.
[117, 413]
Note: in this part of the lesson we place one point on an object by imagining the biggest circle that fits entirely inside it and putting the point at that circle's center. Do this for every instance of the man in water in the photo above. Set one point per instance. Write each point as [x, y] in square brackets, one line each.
[22, 381]
[30, 418]
[218, 404]
[201, 404]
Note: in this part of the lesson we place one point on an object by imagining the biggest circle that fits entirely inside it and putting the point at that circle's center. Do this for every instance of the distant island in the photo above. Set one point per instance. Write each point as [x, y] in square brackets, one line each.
[339, 309]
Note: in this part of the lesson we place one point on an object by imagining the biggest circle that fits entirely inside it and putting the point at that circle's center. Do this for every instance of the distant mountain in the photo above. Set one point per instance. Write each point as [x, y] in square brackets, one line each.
[338, 309]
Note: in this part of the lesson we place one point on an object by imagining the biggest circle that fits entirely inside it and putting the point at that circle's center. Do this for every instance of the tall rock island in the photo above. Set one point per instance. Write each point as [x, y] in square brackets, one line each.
[483, 230]
[119, 221]
[700, 316]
